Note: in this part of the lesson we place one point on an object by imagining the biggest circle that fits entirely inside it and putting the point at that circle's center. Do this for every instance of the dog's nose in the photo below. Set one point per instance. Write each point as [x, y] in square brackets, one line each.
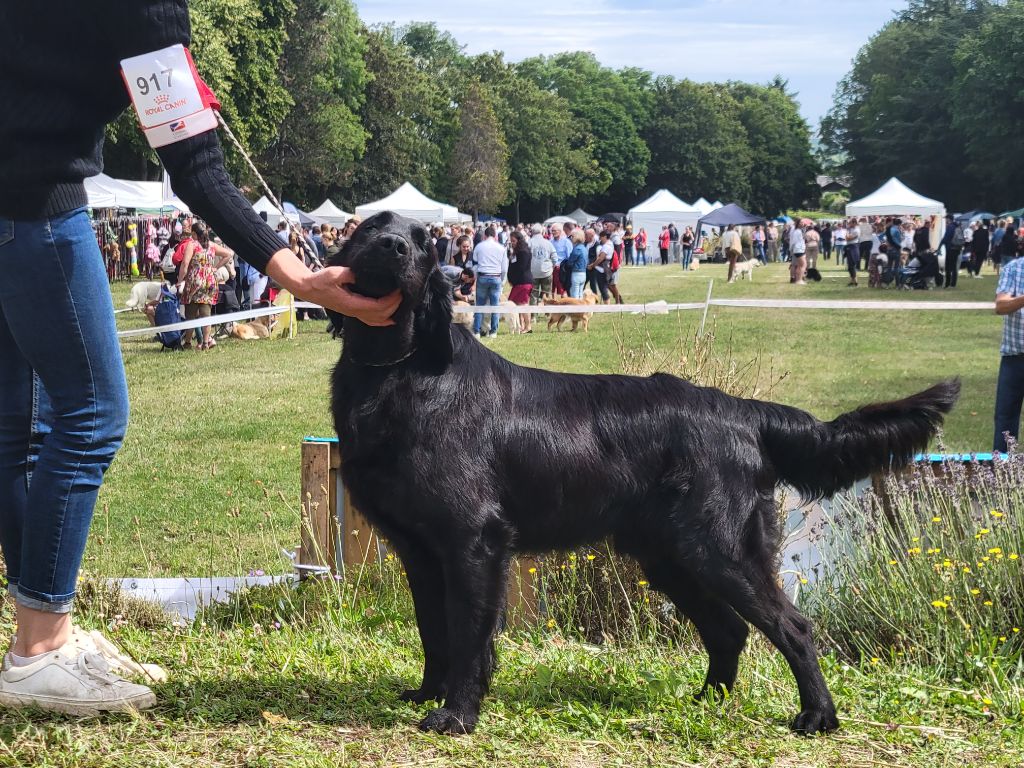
[392, 243]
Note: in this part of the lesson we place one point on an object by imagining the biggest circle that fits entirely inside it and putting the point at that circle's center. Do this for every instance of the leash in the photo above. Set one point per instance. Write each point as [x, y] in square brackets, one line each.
[313, 257]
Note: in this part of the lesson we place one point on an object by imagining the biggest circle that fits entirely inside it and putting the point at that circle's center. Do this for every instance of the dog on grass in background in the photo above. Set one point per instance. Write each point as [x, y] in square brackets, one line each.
[141, 294]
[516, 321]
[682, 478]
[745, 270]
[259, 328]
[577, 318]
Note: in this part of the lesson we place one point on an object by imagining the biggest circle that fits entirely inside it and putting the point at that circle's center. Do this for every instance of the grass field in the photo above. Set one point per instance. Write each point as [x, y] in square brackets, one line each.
[207, 483]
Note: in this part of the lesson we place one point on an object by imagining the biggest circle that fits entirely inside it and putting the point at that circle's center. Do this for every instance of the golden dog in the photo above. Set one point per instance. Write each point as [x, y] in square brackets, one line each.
[556, 320]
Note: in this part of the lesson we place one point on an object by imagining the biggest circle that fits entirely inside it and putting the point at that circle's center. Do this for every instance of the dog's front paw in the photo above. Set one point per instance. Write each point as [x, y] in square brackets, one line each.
[812, 721]
[422, 694]
[447, 721]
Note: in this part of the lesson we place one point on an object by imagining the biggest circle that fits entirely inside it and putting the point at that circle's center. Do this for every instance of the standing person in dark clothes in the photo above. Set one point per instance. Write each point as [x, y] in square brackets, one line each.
[826, 241]
[63, 395]
[979, 248]
[520, 276]
[953, 242]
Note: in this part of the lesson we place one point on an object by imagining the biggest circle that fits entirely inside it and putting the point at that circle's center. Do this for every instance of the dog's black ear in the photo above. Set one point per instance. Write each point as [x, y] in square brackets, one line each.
[433, 322]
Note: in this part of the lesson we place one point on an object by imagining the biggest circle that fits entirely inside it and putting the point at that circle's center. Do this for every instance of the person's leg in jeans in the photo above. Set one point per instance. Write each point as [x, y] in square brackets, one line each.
[732, 266]
[687, 258]
[602, 285]
[576, 286]
[494, 300]
[1009, 396]
[481, 300]
[63, 414]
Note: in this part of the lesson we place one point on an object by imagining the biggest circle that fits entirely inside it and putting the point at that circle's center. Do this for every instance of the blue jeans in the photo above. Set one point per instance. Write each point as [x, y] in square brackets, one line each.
[687, 257]
[577, 281]
[63, 401]
[1009, 396]
[641, 255]
[488, 293]
[759, 252]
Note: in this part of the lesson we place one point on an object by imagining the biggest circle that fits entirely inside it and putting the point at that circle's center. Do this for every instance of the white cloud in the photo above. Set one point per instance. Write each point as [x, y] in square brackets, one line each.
[811, 43]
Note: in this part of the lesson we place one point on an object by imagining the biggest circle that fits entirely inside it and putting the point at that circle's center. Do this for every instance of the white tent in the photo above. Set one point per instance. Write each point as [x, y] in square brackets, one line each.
[660, 210]
[410, 202]
[263, 205]
[704, 207]
[329, 213]
[894, 198]
[561, 220]
[105, 191]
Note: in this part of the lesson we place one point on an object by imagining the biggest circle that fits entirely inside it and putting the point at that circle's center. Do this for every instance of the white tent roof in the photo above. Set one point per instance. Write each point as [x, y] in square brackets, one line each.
[331, 214]
[894, 198]
[410, 202]
[704, 207]
[105, 191]
[661, 209]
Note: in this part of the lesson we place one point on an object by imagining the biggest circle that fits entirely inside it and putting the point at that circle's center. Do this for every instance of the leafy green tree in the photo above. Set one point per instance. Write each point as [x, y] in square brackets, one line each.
[400, 107]
[601, 100]
[479, 164]
[783, 169]
[698, 144]
[320, 140]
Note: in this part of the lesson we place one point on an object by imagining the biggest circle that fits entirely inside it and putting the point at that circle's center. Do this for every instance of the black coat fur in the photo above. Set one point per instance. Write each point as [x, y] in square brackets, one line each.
[463, 459]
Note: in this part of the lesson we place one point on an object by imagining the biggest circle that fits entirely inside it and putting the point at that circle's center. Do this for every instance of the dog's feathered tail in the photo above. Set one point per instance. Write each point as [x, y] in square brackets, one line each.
[821, 458]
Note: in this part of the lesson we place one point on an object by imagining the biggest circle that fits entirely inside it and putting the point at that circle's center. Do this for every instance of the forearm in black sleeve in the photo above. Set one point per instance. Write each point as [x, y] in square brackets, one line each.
[198, 176]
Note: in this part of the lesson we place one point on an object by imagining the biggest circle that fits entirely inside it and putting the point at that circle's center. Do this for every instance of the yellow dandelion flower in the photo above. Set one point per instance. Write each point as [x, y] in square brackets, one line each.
[981, 565]
[803, 580]
[532, 570]
[551, 623]
[975, 591]
[875, 659]
[892, 562]
[1002, 638]
[947, 563]
[966, 569]
[934, 551]
[1012, 556]
[936, 519]
[939, 604]
[983, 531]
[1016, 630]
[642, 583]
[987, 602]
[915, 539]
[572, 555]
[986, 559]
[996, 513]
[946, 597]
[914, 551]
[986, 701]
[995, 551]
[590, 557]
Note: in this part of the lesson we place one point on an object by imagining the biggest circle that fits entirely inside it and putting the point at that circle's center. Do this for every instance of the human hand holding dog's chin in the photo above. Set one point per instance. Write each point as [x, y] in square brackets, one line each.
[329, 288]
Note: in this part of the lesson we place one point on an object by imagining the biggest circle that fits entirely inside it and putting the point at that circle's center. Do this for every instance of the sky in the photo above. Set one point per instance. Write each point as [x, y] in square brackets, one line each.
[811, 43]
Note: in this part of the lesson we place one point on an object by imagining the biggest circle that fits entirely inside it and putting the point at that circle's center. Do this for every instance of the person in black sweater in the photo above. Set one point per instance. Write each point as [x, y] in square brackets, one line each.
[63, 395]
[979, 248]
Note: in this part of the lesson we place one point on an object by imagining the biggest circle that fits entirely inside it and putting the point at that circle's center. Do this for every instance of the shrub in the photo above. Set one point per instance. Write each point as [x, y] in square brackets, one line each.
[932, 572]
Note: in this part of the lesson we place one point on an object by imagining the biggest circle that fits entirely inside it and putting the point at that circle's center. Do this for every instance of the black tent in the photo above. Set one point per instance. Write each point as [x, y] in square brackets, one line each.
[730, 214]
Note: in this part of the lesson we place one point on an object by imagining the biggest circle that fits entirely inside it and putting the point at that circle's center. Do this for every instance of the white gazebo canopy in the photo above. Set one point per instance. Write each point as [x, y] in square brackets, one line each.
[660, 210]
[103, 191]
[894, 198]
[263, 205]
[410, 202]
[704, 207]
[331, 214]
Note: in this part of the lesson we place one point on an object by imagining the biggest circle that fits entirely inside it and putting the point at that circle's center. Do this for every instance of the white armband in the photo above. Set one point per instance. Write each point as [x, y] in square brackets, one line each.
[171, 100]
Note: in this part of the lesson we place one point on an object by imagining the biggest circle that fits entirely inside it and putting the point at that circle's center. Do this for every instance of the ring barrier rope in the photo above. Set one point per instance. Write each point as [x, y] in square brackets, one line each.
[650, 308]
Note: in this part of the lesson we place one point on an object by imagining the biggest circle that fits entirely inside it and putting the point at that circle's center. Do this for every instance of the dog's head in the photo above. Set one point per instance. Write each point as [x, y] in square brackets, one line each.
[389, 252]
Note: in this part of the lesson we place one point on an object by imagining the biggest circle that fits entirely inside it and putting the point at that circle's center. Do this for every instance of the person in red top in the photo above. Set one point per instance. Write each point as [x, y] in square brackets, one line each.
[641, 247]
[664, 239]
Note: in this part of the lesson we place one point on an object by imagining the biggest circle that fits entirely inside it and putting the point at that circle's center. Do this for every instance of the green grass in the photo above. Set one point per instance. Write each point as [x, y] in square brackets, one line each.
[321, 690]
[207, 483]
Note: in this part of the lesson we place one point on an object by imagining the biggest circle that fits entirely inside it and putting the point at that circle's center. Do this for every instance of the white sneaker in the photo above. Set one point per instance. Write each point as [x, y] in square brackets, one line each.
[71, 682]
[119, 662]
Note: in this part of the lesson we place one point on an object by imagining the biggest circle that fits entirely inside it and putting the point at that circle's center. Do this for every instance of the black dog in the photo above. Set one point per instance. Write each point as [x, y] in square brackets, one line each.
[813, 275]
[680, 477]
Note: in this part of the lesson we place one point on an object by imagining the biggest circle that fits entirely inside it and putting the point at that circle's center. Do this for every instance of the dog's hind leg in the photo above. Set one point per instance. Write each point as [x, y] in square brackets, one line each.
[723, 633]
[476, 580]
[426, 582]
[744, 575]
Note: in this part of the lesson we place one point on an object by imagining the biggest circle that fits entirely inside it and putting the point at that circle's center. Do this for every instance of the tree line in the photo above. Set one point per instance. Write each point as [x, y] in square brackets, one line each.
[329, 107]
[936, 98]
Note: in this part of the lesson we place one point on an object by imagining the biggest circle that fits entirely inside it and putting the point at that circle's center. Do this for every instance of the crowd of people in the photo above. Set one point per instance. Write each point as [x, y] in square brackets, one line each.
[537, 262]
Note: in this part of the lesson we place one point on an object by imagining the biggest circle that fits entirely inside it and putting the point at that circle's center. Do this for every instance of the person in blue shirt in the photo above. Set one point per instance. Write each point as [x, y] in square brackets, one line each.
[1010, 386]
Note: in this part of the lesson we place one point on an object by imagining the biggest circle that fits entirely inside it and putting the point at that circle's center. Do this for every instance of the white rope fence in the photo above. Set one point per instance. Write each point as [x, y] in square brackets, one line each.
[649, 308]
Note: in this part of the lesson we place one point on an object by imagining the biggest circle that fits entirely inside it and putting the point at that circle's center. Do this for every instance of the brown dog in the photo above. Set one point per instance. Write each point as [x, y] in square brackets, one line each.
[577, 318]
[259, 328]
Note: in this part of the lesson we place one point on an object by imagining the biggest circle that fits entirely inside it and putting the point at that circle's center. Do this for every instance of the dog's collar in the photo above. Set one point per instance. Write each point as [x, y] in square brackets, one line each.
[389, 363]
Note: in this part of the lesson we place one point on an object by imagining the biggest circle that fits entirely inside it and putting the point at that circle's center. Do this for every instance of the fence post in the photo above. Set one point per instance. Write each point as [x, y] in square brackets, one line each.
[707, 306]
[522, 608]
[317, 509]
